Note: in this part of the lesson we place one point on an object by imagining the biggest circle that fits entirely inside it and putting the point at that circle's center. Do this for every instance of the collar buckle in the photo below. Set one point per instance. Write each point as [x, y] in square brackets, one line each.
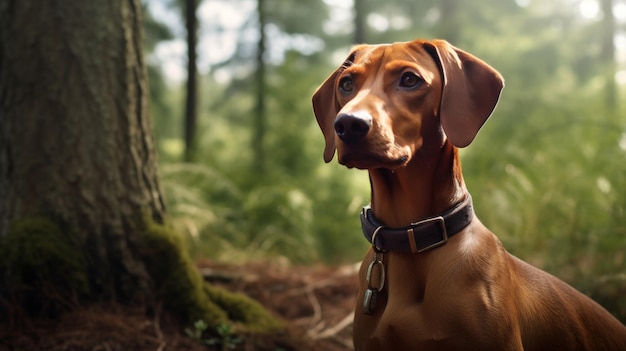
[442, 226]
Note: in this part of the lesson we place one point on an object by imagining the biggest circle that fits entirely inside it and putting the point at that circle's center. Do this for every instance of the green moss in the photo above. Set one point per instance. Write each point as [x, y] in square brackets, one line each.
[185, 293]
[243, 310]
[43, 267]
[43, 270]
[177, 282]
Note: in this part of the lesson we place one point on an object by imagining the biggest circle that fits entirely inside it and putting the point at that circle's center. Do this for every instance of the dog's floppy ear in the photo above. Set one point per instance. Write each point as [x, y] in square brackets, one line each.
[326, 106]
[471, 89]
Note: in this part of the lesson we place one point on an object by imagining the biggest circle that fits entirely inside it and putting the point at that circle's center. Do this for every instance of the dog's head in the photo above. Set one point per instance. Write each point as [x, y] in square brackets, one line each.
[386, 102]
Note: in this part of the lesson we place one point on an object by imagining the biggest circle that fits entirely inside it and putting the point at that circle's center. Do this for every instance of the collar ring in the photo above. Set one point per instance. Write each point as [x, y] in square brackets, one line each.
[377, 249]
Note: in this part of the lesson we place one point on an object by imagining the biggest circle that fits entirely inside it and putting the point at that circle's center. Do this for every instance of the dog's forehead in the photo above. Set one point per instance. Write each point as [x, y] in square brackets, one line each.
[382, 54]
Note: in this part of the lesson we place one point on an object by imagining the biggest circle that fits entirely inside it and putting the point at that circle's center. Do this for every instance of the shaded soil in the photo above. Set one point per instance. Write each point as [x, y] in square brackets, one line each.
[316, 303]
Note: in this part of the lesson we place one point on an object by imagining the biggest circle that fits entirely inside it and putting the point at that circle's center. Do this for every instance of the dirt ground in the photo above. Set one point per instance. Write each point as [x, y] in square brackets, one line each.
[316, 303]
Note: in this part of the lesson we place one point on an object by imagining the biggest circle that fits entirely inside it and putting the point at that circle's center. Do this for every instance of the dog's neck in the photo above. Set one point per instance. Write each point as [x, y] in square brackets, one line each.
[426, 186]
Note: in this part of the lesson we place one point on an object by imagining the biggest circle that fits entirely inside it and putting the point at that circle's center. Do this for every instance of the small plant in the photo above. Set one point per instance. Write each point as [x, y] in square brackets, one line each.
[225, 338]
[199, 328]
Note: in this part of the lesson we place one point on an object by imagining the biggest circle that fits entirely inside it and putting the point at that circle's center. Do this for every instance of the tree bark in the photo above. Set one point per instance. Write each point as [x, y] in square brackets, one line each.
[75, 140]
[258, 137]
[191, 102]
[608, 55]
[449, 27]
[81, 212]
[360, 13]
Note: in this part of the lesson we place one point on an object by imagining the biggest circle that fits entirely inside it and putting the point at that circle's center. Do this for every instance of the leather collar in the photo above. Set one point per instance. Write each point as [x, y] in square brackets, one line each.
[421, 236]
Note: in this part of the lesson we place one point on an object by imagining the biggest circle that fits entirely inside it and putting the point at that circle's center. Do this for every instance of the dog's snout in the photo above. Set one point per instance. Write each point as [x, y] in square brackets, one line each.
[352, 127]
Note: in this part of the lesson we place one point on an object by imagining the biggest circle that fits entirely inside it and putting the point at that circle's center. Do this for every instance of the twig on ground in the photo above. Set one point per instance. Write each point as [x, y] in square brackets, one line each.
[332, 331]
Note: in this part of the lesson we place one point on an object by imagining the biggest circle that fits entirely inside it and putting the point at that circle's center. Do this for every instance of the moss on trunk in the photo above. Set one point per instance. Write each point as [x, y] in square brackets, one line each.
[42, 269]
[181, 287]
[44, 273]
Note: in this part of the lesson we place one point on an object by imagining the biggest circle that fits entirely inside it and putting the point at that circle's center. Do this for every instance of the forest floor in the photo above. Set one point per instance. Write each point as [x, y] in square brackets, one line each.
[316, 303]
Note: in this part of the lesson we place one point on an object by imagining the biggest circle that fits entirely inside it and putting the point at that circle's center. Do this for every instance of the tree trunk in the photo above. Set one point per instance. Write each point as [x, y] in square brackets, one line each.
[258, 136]
[75, 142]
[191, 103]
[449, 27]
[359, 21]
[81, 211]
[608, 55]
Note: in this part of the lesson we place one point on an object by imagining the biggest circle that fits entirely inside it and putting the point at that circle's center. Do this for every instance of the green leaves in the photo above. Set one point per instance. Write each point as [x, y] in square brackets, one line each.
[547, 172]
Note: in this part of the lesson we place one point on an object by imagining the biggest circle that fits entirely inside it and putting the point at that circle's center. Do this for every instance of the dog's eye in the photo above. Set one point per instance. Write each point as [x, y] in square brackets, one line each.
[410, 80]
[346, 85]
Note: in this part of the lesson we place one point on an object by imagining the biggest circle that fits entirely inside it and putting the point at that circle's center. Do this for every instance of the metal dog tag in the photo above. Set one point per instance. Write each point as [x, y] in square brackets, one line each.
[369, 301]
[371, 293]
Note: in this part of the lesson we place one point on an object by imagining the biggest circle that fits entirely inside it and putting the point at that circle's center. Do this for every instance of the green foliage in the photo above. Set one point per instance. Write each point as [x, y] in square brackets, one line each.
[225, 335]
[199, 327]
[226, 222]
[42, 268]
[547, 172]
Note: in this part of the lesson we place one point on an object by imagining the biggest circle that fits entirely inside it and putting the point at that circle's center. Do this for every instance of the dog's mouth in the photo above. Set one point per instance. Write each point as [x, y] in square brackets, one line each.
[362, 158]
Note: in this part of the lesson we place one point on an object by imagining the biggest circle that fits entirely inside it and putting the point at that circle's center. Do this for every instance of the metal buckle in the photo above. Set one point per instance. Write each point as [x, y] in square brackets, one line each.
[442, 224]
[364, 210]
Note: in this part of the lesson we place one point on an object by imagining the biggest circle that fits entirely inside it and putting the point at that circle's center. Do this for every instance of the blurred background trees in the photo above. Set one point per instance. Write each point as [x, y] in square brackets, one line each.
[548, 171]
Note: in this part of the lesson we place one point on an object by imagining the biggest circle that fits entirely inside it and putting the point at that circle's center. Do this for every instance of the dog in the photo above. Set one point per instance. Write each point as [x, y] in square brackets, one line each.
[435, 277]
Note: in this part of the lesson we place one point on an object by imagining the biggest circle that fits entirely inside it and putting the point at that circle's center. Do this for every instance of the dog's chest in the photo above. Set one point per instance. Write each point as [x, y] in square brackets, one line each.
[399, 331]
[410, 329]
[417, 310]
[399, 325]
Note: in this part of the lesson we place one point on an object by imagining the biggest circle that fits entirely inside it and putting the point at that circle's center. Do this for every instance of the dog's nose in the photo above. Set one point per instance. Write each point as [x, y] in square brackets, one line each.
[352, 127]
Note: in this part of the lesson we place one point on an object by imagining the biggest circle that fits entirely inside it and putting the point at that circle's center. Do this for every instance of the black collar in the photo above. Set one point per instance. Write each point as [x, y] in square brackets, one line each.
[421, 236]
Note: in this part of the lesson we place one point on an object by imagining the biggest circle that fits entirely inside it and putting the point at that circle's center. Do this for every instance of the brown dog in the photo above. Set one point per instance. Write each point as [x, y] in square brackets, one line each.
[436, 278]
